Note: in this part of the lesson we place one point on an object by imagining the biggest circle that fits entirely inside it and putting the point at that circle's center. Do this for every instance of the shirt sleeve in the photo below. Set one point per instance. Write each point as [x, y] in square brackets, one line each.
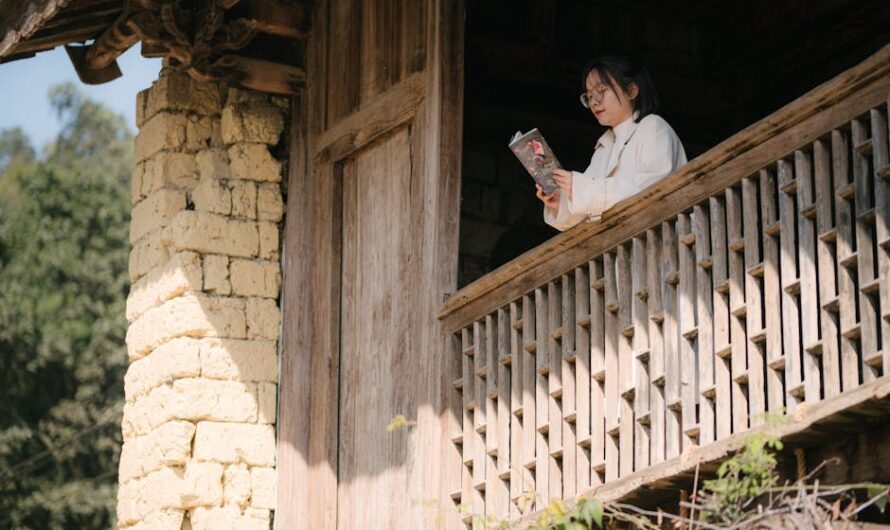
[659, 152]
[563, 218]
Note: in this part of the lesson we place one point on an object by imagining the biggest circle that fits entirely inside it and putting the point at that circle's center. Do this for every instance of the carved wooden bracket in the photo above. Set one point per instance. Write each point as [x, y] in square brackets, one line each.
[199, 37]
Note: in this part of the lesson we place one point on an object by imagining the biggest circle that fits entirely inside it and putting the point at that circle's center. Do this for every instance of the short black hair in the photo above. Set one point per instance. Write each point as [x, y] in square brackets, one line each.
[624, 70]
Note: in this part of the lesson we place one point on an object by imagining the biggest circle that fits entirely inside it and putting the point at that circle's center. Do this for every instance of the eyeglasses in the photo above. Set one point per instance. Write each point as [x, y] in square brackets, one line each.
[596, 96]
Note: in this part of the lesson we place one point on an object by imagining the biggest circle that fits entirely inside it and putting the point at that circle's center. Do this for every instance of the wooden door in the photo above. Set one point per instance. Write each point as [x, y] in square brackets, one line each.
[370, 252]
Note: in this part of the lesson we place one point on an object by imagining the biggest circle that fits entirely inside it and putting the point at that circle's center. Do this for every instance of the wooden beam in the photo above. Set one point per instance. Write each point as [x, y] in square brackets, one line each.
[744, 153]
[276, 18]
[257, 74]
[390, 109]
[81, 34]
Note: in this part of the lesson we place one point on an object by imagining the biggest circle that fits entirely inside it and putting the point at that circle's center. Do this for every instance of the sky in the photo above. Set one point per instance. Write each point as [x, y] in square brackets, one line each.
[25, 84]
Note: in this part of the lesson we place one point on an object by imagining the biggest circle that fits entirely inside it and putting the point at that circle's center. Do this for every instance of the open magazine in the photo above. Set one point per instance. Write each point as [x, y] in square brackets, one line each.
[532, 150]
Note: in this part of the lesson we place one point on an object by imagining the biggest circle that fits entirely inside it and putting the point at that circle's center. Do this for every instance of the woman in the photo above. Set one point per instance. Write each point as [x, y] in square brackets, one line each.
[638, 149]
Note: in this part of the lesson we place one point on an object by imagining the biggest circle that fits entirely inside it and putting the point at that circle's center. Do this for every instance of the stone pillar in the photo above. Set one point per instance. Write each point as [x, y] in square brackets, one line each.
[201, 389]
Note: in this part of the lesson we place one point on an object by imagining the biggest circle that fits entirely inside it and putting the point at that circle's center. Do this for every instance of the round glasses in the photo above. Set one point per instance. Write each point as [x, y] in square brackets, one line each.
[587, 98]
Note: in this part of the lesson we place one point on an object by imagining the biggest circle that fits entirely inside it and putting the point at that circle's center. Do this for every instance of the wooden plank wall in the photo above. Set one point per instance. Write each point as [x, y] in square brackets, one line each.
[768, 294]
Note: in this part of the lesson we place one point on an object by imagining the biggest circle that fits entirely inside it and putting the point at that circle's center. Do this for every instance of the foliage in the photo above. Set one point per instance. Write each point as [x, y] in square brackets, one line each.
[63, 284]
[740, 479]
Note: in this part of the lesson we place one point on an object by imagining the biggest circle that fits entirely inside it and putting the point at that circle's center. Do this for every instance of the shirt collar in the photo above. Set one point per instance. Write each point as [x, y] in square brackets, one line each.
[621, 133]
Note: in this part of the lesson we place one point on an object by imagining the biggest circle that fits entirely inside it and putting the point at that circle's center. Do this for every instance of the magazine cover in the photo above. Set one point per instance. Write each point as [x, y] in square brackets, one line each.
[532, 150]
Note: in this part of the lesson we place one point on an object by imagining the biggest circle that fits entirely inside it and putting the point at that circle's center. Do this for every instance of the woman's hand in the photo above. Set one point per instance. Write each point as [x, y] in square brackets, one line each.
[563, 179]
[550, 201]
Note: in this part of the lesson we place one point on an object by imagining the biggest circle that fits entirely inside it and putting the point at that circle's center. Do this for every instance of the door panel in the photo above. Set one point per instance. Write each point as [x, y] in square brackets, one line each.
[377, 236]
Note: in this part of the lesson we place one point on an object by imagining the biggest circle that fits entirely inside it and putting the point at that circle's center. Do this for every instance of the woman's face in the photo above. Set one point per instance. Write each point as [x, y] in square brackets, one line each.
[615, 106]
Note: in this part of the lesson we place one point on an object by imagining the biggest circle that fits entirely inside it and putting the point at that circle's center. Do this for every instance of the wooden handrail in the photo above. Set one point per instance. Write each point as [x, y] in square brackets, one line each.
[822, 108]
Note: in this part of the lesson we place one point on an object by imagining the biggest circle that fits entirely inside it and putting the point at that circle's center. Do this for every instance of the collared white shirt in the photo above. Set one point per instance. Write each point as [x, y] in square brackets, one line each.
[628, 158]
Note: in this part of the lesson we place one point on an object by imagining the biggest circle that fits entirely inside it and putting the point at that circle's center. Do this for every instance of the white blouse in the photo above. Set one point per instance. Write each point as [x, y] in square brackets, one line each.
[628, 158]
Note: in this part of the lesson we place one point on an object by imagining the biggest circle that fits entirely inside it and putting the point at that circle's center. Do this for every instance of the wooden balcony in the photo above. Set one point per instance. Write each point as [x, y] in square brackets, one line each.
[754, 282]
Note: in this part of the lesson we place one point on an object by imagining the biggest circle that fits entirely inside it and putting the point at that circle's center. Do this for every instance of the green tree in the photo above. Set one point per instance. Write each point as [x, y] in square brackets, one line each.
[63, 285]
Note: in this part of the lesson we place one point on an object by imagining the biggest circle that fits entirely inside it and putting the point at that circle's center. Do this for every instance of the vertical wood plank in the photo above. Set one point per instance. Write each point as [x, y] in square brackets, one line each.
[809, 293]
[542, 399]
[881, 164]
[503, 391]
[569, 413]
[772, 302]
[737, 308]
[612, 390]
[554, 387]
[791, 344]
[582, 375]
[671, 334]
[753, 300]
[640, 316]
[825, 260]
[686, 310]
[480, 418]
[845, 246]
[722, 345]
[865, 250]
[626, 373]
[529, 395]
[597, 372]
[519, 476]
[705, 315]
[656, 346]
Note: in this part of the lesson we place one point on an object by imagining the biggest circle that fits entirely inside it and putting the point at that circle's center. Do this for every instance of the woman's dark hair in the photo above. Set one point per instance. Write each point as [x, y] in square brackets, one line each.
[623, 70]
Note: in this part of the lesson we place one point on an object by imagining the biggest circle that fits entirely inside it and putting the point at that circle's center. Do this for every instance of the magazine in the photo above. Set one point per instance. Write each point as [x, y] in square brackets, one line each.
[532, 150]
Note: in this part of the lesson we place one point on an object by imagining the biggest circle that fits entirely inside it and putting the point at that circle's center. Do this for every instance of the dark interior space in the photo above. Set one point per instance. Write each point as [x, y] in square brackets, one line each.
[718, 67]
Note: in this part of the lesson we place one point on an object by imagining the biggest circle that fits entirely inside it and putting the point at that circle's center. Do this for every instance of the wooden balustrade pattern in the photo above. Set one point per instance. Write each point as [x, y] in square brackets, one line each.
[773, 292]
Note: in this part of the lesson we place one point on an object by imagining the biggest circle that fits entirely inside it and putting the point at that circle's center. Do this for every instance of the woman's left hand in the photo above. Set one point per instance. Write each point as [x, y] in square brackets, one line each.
[563, 179]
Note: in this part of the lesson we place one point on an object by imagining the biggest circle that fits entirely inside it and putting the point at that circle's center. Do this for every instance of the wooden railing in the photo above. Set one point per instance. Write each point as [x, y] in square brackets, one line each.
[750, 282]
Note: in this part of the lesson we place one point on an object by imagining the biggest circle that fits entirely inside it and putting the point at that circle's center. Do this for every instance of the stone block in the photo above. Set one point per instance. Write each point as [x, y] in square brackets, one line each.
[198, 130]
[148, 253]
[170, 169]
[202, 484]
[160, 520]
[181, 274]
[262, 482]
[146, 412]
[168, 445]
[263, 319]
[212, 196]
[255, 121]
[270, 206]
[176, 359]
[155, 211]
[239, 360]
[208, 399]
[174, 91]
[162, 131]
[267, 402]
[269, 244]
[255, 278]
[231, 443]
[216, 274]
[191, 315]
[254, 162]
[244, 199]
[236, 485]
[213, 234]
[213, 164]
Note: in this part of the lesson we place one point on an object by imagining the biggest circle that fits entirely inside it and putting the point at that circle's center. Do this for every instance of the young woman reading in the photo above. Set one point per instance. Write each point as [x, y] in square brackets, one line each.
[637, 150]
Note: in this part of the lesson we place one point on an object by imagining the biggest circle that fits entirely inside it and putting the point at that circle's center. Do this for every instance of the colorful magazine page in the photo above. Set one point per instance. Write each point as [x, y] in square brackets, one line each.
[536, 156]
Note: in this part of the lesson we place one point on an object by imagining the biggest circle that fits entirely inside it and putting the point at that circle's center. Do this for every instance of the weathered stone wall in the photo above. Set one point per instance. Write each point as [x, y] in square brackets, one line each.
[201, 389]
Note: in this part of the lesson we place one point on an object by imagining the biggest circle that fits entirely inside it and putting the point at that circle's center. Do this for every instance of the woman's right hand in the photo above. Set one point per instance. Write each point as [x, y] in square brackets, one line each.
[550, 201]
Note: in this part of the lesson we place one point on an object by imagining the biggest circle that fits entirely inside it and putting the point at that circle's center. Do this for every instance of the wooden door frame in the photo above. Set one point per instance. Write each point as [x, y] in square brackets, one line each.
[309, 371]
